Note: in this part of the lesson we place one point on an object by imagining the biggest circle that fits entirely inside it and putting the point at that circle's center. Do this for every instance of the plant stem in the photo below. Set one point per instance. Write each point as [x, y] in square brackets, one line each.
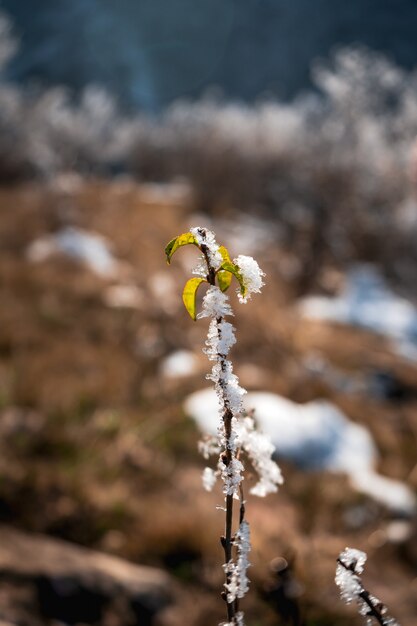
[374, 610]
[227, 457]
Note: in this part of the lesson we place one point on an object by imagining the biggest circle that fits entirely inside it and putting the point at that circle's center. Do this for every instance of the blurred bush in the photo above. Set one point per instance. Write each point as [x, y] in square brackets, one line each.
[337, 169]
[47, 131]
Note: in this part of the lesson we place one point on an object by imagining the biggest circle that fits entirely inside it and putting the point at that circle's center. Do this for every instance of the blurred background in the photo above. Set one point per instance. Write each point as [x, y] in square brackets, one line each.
[290, 129]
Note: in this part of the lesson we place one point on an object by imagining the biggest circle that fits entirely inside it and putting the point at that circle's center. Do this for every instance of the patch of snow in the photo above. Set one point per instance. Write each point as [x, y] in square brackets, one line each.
[179, 364]
[315, 436]
[124, 297]
[86, 247]
[392, 493]
[368, 302]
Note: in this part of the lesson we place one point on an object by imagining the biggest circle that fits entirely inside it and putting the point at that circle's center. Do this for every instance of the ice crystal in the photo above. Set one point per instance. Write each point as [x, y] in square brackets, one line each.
[207, 238]
[237, 621]
[239, 582]
[260, 449]
[252, 276]
[215, 304]
[220, 339]
[233, 392]
[349, 583]
[349, 567]
[227, 386]
[232, 477]
[201, 268]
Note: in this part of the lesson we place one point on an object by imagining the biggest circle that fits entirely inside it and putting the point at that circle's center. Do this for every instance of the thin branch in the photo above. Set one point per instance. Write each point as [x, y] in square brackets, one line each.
[227, 539]
[376, 609]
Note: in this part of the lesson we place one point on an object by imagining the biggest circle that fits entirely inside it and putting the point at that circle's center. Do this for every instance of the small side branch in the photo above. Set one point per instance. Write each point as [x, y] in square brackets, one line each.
[350, 566]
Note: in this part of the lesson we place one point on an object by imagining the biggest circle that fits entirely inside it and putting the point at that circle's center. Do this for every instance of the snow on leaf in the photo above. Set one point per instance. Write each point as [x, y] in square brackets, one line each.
[227, 266]
[252, 276]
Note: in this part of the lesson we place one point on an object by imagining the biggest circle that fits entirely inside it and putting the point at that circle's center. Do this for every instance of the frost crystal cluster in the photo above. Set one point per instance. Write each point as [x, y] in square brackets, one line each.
[206, 238]
[236, 434]
[239, 582]
[350, 565]
[252, 276]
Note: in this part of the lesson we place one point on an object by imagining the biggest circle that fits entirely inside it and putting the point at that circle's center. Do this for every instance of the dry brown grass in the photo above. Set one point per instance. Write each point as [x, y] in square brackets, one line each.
[110, 459]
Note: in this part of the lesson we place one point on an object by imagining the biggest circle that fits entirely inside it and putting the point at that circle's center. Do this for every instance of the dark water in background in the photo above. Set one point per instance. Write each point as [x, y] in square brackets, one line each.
[151, 52]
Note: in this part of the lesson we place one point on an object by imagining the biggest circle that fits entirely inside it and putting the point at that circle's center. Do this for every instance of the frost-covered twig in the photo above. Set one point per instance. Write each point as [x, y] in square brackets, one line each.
[350, 565]
[236, 432]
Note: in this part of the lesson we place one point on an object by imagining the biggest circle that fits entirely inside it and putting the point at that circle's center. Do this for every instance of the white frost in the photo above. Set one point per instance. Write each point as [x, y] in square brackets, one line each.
[207, 238]
[260, 449]
[350, 565]
[239, 581]
[252, 276]
[215, 304]
[348, 580]
[220, 339]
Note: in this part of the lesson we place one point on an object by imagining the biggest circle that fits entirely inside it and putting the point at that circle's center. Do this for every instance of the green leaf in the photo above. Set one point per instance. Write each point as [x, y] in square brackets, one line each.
[225, 254]
[189, 295]
[181, 240]
[224, 279]
[233, 269]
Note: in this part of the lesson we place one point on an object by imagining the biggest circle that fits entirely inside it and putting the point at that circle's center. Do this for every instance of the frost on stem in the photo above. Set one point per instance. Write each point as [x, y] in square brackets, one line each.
[243, 435]
[350, 565]
[259, 449]
[236, 431]
[238, 620]
[207, 239]
[238, 581]
[215, 304]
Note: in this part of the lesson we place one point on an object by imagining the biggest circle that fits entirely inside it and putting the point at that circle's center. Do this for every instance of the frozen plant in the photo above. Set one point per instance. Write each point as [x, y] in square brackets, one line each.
[350, 565]
[236, 431]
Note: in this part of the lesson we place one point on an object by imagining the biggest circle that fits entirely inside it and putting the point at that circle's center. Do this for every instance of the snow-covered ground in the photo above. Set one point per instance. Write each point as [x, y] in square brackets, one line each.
[89, 248]
[179, 364]
[315, 436]
[367, 302]
[124, 296]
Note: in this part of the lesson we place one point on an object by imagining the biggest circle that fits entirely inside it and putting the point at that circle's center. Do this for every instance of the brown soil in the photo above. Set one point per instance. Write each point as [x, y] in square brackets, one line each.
[95, 447]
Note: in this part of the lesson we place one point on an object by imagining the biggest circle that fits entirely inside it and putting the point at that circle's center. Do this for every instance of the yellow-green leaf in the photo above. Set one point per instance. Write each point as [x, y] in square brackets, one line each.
[224, 279]
[225, 254]
[233, 269]
[189, 295]
[181, 240]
